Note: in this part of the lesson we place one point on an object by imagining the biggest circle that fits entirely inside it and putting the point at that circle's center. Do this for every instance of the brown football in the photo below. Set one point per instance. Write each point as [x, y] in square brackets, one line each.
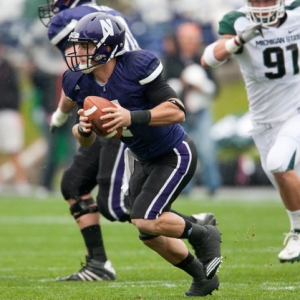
[93, 106]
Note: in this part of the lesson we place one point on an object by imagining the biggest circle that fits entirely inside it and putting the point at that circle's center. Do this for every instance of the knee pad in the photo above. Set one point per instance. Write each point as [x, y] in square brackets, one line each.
[145, 237]
[82, 207]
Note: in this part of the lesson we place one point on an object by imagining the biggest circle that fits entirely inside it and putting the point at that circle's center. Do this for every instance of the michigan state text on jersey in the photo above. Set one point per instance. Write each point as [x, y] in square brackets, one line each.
[269, 65]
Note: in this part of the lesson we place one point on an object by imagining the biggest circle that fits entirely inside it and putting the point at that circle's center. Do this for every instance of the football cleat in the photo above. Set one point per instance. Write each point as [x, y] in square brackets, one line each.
[205, 219]
[93, 270]
[203, 287]
[208, 250]
[291, 252]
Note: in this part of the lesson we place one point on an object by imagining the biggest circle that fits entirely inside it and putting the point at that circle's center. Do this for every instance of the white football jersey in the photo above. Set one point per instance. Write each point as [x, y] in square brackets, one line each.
[270, 65]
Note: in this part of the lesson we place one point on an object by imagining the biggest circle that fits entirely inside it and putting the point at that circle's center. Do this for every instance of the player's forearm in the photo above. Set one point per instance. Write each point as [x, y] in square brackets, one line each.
[216, 54]
[84, 141]
[167, 113]
[66, 105]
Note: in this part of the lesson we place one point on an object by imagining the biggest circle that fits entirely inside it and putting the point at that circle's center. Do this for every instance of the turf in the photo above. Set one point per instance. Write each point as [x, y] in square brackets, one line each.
[39, 242]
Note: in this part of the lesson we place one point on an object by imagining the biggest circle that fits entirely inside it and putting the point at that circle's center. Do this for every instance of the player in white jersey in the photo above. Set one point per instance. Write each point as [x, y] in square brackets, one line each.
[264, 36]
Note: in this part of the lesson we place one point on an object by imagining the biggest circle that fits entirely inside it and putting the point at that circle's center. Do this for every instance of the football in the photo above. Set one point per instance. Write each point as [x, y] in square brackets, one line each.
[93, 106]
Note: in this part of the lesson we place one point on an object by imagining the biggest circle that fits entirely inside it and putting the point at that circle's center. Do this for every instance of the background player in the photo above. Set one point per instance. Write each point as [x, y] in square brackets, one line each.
[264, 36]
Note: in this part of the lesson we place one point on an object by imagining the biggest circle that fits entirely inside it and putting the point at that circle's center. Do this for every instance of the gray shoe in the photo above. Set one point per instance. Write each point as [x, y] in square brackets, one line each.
[203, 287]
[93, 270]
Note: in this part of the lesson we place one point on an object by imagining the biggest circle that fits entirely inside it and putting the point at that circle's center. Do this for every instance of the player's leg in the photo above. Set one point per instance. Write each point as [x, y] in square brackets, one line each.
[13, 143]
[200, 218]
[77, 183]
[112, 202]
[206, 149]
[160, 229]
[281, 167]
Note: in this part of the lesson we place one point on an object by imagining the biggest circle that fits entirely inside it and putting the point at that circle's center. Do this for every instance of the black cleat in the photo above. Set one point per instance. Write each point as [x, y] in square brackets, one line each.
[208, 250]
[205, 219]
[93, 270]
[203, 287]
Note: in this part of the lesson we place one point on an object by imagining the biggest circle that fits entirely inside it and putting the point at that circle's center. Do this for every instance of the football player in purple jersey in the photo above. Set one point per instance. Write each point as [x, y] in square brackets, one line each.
[160, 158]
[102, 163]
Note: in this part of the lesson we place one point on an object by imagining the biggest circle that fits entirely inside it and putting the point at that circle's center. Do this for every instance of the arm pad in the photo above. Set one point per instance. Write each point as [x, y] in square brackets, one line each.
[209, 56]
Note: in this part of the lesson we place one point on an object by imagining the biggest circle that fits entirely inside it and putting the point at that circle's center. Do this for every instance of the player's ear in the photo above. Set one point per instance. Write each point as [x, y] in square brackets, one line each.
[108, 49]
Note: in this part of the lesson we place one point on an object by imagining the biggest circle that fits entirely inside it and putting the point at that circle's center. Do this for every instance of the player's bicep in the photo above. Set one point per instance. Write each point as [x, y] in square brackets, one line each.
[159, 91]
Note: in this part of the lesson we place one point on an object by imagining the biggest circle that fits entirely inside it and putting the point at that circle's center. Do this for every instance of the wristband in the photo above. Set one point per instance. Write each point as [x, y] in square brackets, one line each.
[82, 133]
[140, 117]
[59, 118]
[232, 45]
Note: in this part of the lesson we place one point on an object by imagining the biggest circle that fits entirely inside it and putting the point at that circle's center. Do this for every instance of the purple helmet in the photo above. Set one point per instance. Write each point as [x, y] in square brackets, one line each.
[47, 11]
[107, 34]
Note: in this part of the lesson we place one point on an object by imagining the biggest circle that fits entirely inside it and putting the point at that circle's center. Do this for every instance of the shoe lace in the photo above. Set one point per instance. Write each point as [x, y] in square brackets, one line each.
[290, 235]
[83, 266]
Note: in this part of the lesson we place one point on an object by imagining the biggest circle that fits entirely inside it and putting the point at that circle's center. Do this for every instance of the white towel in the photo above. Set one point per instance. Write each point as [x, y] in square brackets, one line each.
[129, 168]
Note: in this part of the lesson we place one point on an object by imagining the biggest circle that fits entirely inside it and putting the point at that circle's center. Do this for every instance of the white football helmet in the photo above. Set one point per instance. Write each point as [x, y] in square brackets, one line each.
[267, 15]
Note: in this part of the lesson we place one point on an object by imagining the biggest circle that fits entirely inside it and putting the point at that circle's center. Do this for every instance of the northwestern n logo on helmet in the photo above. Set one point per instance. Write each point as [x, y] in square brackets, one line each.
[107, 27]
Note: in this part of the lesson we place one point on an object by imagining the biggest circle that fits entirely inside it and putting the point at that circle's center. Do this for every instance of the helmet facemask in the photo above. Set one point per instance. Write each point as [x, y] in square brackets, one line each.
[49, 10]
[93, 56]
[267, 15]
[46, 12]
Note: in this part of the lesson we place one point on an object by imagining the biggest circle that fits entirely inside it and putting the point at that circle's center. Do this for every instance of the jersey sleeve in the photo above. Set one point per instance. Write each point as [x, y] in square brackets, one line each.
[70, 83]
[144, 66]
[292, 5]
[226, 25]
[59, 31]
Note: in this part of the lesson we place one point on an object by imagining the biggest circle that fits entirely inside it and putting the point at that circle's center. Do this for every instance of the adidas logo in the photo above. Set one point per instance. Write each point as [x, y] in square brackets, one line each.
[77, 87]
[86, 275]
[212, 267]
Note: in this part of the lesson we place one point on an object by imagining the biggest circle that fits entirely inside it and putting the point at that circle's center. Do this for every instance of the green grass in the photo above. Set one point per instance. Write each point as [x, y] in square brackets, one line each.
[232, 99]
[39, 241]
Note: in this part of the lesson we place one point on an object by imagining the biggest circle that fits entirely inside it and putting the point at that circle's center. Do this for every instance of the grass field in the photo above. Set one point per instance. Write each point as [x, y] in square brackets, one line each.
[39, 242]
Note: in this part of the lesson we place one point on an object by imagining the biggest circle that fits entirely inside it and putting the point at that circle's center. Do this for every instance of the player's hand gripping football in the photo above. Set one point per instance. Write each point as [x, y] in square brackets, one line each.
[85, 125]
[120, 117]
[250, 33]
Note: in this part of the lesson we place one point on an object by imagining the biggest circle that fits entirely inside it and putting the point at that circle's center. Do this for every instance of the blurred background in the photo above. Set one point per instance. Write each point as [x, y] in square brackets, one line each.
[155, 24]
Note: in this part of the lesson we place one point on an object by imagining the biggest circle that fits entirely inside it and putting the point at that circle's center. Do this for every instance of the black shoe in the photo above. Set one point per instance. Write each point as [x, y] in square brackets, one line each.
[93, 270]
[205, 219]
[208, 250]
[203, 287]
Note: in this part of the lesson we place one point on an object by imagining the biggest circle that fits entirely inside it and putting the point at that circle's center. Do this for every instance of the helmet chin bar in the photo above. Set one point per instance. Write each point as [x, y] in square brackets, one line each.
[86, 70]
[267, 15]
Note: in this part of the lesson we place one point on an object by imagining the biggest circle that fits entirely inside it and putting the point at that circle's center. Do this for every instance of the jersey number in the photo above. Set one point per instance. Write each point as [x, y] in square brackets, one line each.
[268, 55]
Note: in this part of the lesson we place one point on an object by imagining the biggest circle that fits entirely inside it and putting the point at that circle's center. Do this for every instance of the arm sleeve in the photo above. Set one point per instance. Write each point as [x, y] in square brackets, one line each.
[159, 91]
